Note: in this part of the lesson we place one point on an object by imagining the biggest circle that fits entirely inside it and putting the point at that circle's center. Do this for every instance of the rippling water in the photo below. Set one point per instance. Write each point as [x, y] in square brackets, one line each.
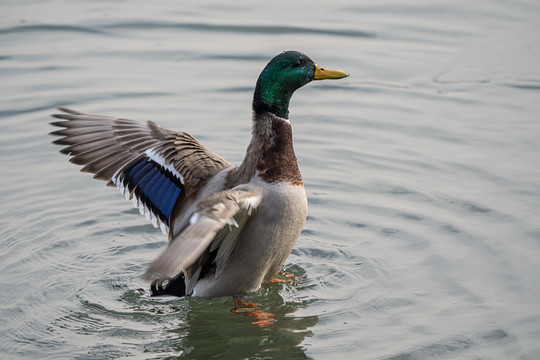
[422, 171]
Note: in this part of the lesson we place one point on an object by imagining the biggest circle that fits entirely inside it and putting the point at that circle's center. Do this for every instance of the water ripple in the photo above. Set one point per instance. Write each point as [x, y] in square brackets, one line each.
[51, 28]
[453, 346]
[525, 85]
[257, 29]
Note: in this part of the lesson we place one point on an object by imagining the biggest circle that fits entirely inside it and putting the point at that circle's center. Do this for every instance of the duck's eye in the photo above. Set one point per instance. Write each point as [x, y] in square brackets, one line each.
[297, 64]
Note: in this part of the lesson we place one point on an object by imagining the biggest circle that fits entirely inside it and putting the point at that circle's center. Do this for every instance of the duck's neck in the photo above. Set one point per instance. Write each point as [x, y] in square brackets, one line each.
[272, 96]
[270, 154]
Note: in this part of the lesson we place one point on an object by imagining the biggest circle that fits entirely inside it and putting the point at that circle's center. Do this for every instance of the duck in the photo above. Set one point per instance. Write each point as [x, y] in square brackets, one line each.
[230, 228]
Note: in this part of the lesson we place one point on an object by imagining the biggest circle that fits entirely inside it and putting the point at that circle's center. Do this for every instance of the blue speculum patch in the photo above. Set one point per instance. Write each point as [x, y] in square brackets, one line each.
[154, 185]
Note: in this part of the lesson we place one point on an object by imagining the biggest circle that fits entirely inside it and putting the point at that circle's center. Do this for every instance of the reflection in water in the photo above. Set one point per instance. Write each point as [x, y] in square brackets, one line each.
[109, 320]
[262, 318]
[269, 327]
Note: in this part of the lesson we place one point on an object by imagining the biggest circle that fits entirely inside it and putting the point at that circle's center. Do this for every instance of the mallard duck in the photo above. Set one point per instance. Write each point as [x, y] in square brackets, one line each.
[230, 228]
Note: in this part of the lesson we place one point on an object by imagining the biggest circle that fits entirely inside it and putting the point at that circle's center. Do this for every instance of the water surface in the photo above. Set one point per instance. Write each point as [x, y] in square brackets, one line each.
[422, 171]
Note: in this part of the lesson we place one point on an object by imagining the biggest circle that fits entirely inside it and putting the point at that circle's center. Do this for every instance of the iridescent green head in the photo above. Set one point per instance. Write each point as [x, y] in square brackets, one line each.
[282, 76]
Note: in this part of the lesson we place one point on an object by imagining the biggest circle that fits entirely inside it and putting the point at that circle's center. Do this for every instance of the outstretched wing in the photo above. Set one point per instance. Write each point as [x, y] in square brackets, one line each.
[213, 213]
[150, 164]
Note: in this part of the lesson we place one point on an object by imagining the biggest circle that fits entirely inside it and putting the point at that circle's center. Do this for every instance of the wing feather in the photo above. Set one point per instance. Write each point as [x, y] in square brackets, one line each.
[213, 213]
[168, 162]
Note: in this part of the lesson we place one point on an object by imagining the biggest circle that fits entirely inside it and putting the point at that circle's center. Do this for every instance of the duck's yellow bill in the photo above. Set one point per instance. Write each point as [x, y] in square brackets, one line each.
[323, 73]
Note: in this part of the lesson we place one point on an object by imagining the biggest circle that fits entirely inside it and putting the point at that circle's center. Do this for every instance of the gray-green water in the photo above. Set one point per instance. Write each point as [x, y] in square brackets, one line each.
[422, 171]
